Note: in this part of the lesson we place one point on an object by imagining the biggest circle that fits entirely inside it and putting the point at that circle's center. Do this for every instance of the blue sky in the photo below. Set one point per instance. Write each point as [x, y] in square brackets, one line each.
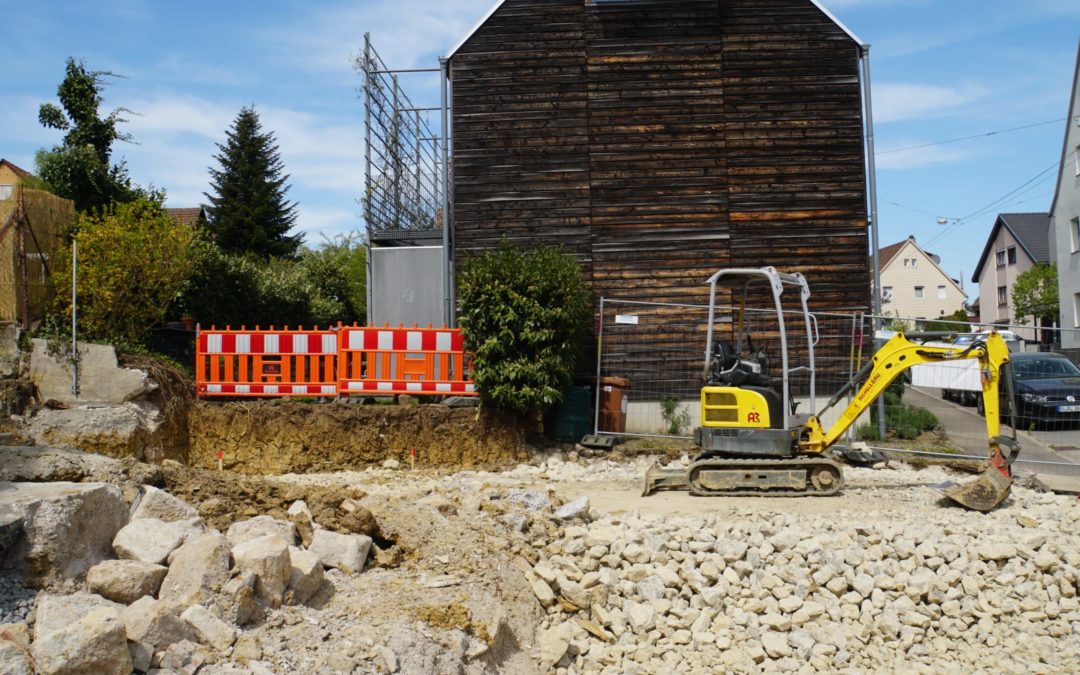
[942, 69]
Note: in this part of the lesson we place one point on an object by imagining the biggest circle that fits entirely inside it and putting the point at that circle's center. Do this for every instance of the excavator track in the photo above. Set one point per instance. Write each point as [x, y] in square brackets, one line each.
[734, 477]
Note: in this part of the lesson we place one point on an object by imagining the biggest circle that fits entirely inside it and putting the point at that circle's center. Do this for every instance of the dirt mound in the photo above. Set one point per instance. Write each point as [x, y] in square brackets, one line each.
[223, 498]
[275, 437]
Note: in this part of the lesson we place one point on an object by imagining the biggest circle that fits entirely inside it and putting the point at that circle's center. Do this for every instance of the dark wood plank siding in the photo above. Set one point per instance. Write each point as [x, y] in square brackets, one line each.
[661, 141]
[795, 153]
[521, 137]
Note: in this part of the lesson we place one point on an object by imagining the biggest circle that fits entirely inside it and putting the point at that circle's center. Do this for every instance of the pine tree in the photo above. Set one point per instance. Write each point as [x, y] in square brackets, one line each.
[248, 212]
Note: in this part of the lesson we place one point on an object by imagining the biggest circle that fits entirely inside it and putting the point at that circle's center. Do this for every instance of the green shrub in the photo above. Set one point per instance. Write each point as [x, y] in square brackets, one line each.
[133, 262]
[522, 314]
[867, 432]
[325, 286]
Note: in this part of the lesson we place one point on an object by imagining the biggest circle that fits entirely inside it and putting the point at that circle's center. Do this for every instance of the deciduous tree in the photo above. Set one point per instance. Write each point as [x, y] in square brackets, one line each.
[1035, 293]
[80, 167]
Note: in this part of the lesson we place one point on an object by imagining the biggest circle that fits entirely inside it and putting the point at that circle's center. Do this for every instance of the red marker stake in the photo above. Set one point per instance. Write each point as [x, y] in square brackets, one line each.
[412, 459]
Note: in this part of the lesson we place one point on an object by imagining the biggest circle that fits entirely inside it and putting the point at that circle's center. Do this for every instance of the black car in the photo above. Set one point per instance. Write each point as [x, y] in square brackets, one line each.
[1047, 388]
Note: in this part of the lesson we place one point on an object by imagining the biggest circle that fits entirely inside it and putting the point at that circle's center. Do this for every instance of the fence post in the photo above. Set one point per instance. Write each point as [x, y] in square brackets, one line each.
[599, 359]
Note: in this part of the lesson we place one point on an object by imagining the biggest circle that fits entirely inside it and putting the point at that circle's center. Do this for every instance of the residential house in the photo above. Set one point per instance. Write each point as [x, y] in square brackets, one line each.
[913, 284]
[1065, 222]
[1016, 242]
[10, 176]
[191, 216]
[661, 141]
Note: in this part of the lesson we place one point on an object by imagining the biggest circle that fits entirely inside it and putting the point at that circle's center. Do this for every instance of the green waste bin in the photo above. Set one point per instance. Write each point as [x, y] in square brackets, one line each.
[573, 419]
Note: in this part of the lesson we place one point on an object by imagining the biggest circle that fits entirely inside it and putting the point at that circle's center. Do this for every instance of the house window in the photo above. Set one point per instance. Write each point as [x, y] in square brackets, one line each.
[1012, 255]
[941, 292]
[1003, 296]
[1075, 230]
[907, 262]
[919, 292]
[886, 293]
[5, 191]
[1076, 156]
[1001, 258]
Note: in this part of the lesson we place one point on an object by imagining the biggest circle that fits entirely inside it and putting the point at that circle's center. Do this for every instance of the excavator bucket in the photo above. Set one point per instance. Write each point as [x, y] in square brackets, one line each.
[986, 492]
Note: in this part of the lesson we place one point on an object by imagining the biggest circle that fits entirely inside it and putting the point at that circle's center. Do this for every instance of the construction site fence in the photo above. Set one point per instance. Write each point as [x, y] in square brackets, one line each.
[655, 353]
[340, 361]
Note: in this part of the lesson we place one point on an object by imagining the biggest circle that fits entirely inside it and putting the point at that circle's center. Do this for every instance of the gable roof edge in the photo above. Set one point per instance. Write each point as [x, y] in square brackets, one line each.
[499, 3]
[1068, 126]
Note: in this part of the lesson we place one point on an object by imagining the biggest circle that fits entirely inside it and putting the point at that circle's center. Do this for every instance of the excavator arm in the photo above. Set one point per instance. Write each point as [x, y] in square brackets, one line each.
[898, 355]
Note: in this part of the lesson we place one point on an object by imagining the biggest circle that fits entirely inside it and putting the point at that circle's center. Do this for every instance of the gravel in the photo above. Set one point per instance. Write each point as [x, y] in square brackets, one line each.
[16, 599]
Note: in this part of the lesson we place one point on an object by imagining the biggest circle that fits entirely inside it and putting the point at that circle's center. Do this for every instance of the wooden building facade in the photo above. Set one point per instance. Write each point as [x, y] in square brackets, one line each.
[662, 140]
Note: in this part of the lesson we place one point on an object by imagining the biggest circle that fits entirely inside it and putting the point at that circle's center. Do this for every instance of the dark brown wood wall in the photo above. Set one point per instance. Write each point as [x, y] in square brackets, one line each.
[661, 141]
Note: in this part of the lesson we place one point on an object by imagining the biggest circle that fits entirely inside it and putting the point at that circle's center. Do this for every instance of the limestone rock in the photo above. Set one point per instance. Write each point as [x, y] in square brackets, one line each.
[260, 526]
[57, 611]
[553, 645]
[199, 568]
[300, 515]
[95, 643]
[574, 509]
[156, 503]
[155, 623]
[542, 591]
[305, 575]
[346, 552]
[997, 551]
[14, 660]
[152, 540]
[238, 599]
[210, 629]
[64, 528]
[125, 581]
[268, 558]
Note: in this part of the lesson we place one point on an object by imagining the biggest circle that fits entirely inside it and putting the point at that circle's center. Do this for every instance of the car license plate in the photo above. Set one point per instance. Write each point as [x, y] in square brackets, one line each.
[1068, 408]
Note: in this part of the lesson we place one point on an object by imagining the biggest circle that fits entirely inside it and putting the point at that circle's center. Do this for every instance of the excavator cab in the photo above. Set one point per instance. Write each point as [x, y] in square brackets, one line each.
[747, 403]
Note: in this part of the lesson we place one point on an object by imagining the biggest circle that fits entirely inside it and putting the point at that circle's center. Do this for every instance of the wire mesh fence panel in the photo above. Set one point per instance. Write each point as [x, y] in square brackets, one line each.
[652, 361]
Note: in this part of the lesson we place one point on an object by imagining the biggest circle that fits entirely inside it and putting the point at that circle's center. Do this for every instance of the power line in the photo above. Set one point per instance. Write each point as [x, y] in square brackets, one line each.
[1026, 186]
[969, 138]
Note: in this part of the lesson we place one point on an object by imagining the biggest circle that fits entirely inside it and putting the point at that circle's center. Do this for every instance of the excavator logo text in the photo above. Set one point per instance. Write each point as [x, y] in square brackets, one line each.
[753, 417]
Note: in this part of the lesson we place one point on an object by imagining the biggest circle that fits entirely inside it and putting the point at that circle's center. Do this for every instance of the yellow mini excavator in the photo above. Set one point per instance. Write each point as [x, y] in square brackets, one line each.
[752, 440]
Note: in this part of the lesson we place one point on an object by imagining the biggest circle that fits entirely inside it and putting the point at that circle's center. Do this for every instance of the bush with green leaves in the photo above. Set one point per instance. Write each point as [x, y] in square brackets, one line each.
[133, 261]
[324, 286]
[523, 315]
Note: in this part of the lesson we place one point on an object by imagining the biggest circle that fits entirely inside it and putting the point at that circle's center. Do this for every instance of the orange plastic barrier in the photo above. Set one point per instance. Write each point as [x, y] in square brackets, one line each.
[344, 361]
[266, 362]
[384, 361]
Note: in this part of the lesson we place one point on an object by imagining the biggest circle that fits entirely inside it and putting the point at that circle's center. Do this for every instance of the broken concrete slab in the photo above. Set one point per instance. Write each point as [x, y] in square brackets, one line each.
[59, 530]
[1065, 485]
[115, 430]
[101, 377]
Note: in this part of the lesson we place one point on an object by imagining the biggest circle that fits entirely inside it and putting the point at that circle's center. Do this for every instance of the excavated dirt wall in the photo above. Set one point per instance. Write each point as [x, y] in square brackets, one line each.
[276, 437]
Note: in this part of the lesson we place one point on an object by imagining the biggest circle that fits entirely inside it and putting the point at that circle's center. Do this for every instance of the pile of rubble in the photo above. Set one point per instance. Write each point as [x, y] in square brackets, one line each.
[927, 589]
[176, 593]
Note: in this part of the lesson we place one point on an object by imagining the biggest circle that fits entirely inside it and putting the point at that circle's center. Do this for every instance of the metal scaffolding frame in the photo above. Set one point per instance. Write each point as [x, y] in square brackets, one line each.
[406, 182]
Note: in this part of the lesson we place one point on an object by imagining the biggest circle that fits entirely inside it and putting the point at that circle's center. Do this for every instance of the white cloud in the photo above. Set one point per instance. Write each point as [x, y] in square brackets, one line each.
[897, 101]
[917, 158]
[317, 223]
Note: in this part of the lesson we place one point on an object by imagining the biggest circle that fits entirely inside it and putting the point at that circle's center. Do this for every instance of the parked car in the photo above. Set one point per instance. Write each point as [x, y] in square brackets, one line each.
[968, 397]
[1047, 390]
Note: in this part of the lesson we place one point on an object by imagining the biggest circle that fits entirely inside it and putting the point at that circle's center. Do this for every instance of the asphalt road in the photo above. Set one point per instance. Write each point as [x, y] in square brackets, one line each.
[967, 429]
